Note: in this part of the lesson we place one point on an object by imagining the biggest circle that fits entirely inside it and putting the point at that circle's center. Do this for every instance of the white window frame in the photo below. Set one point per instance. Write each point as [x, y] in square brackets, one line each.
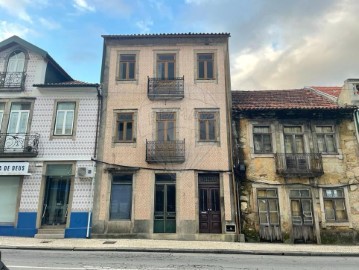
[64, 121]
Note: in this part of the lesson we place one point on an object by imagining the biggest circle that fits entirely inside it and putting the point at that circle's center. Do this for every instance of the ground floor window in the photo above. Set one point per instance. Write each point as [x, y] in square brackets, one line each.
[9, 190]
[334, 205]
[121, 197]
[268, 211]
[165, 204]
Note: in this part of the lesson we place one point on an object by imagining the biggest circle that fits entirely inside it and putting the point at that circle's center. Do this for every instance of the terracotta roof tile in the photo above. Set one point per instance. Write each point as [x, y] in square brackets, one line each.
[330, 90]
[178, 35]
[280, 99]
[73, 83]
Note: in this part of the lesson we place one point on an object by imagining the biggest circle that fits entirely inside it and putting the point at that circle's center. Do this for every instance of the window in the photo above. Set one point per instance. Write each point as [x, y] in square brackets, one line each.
[207, 126]
[14, 74]
[262, 139]
[2, 109]
[268, 209]
[326, 139]
[125, 126]
[166, 126]
[65, 113]
[9, 190]
[121, 197]
[127, 66]
[334, 205]
[19, 116]
[166, 66]
[293, 140]
[205, 66]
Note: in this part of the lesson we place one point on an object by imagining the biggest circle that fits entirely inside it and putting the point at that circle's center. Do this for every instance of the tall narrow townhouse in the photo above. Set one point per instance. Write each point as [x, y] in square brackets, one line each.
[164, 163]
[48, 134]
[297, 163]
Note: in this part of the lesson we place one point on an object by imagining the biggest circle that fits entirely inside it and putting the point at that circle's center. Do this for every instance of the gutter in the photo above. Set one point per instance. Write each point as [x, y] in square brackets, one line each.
[99, 109]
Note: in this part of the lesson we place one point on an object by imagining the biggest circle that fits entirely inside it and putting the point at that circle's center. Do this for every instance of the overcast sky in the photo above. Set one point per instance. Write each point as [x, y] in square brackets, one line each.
[274, 44]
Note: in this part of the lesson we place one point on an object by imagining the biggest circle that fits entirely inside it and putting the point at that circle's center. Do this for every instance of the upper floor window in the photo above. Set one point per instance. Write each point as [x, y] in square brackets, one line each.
[334, 205]
[166, 66]
[293, 140]
[262, 139]
[208, 126]
[127, 66]
[166, 126]
[65, 114]
[2, 109]
[205, 66]
[16, 62]
[326, 139]
[125, 126]
[13, 77]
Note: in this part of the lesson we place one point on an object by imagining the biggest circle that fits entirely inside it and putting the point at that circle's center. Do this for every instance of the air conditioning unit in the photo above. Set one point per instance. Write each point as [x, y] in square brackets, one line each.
[85, 172]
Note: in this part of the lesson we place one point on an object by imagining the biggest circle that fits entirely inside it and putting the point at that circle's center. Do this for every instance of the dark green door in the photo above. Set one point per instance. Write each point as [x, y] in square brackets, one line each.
[165, 208]
[56, 200]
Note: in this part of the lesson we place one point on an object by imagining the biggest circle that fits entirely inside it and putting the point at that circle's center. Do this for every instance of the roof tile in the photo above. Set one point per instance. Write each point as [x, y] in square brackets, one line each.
[280, 99]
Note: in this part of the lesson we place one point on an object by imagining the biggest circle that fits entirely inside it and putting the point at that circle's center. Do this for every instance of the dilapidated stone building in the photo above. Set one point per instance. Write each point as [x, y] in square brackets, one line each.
[296, 162]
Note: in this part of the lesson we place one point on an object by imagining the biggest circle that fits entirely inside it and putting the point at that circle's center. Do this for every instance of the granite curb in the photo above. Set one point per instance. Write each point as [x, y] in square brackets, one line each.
[183, 250]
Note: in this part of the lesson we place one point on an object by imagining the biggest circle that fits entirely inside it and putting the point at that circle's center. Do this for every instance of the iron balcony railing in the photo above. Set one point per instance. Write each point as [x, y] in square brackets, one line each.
[165, 151]
[299, 165]
[165, 89]
[12, 81]
[19, 145]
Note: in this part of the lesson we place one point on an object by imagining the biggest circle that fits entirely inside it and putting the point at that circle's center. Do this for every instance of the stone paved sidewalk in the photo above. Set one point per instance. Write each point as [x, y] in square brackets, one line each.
[176, 246]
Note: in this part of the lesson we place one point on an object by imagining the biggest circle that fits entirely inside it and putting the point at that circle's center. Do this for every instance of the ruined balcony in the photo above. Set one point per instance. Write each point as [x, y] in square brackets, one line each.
[19, 145]
[165, 89]
[299, 165]
[165, 151]
[12, 81]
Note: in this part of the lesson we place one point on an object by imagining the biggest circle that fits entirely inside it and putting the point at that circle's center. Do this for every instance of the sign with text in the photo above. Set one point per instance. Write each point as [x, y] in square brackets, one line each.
[14, 168]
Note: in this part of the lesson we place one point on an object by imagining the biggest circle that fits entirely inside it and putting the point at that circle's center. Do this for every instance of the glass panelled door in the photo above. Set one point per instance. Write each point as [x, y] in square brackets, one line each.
[209, 204]
[17, 127]
[294, 148]
[166, 132]
[14, 69]
[166, 66]
[56, 200]
[165, 204]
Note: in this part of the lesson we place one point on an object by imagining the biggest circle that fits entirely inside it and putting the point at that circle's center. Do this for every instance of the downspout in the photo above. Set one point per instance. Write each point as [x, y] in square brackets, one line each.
[230, 140]
[99, 109]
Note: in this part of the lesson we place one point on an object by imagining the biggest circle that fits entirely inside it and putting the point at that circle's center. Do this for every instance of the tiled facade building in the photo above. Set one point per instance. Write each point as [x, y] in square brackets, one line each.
[164, 167]
[297, 161]
[48, 131]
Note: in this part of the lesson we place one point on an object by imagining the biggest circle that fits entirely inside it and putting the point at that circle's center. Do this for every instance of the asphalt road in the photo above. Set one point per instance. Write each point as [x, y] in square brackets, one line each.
[80, 260]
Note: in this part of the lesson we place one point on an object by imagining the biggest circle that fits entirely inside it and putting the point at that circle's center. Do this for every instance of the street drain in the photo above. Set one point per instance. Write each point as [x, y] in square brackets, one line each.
[45, 242]
[109, 242]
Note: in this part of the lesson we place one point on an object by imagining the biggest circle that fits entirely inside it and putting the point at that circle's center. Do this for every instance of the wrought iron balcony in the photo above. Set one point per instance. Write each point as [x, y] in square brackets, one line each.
[165, 151]
[12, 81]
[165, 89]
[19, 145]
[299, 165]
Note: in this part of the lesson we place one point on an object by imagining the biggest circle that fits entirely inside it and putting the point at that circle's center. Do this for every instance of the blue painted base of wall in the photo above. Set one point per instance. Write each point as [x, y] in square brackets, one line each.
[26, 226]
[78, 225]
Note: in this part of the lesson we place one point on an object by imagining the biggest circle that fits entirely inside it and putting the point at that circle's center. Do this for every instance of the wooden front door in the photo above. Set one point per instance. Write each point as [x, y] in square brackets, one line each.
[209, 204]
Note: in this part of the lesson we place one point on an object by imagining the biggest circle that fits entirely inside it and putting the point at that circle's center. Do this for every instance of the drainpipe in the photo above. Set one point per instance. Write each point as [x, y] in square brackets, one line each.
[99, 109]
